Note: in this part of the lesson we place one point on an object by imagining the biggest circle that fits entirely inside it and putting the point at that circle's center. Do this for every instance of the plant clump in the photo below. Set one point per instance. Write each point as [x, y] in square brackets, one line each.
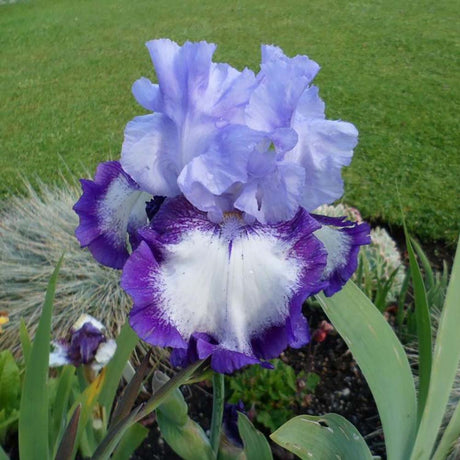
[35, 230]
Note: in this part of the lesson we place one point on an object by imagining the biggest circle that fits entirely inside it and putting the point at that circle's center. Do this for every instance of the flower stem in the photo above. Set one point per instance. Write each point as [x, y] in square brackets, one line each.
[217, 410]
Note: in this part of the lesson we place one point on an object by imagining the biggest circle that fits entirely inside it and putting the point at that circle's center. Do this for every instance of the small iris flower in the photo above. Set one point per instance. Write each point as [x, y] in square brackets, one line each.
[209, 210]
[86, 345]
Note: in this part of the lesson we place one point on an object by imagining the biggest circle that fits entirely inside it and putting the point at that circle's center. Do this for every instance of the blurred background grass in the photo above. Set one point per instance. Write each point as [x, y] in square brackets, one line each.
[389, 67]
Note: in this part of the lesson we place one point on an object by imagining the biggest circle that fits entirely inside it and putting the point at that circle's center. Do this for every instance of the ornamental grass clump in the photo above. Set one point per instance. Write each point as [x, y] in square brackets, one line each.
[35, 230]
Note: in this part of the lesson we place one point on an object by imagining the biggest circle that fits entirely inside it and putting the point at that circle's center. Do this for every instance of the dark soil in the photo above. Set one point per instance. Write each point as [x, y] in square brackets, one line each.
[342, 390]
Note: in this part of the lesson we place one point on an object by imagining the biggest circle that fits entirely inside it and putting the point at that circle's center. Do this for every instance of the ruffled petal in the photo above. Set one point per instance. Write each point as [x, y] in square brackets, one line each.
[342, 240]
[195, 98]
[324, 147]
[274, 196]
[110, 205]
[212, 181]
[198, 95]
[147, 94]
[149, 154]
[241, 170]
[246, 280]
[281, 82]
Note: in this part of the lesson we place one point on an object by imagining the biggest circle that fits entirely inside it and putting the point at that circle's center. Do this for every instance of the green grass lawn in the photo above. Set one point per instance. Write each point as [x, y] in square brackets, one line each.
[387, 66]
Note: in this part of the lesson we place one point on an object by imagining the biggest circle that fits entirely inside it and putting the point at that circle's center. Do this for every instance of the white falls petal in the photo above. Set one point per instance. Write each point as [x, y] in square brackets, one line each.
[230, 290]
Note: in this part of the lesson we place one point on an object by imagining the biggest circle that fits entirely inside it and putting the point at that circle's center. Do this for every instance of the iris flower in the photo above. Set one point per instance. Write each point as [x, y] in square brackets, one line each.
[209, 211]
[86, 344]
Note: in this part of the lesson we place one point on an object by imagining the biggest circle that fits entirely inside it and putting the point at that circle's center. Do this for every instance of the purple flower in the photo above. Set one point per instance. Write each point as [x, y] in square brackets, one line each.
[232, 290]
[214, 190]
[111, 206]
[87, 344]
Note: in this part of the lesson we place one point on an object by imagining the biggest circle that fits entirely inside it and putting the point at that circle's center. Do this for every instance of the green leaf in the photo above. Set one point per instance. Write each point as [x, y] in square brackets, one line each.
[383, 362]
[9, 381]
[188, 440]
[449, 437]
[402, 299]
[322, 438]
[126, 342]
[181, 433]
[445, 362]
[422, 316]
[3, 455]
[174, 407]
[380, 298]
[130, 442]
[116, 433]
[256, 446]
[67, 444]
[26, 343]
[127, 400]
[218, 396]
[166, 390]
[312, 381]
[114, 436]
[33, 416]
[88, 399]
[429, 275]
[8, 423]
[61, 402]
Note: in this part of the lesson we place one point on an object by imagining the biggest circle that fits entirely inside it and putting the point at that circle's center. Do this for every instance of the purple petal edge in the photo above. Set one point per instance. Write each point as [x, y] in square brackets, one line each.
[358, 235]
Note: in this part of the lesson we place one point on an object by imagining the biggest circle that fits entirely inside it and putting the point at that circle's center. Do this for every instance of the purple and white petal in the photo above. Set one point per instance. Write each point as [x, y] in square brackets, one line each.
[342, 240]
[109, 206]
[229, 283]
[85, 318]
[59, 356]
[104, 354]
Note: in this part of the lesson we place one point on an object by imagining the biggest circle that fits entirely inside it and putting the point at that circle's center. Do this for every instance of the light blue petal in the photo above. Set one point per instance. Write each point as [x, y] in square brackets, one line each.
[223, 166]
[275, 196]
[281, 82]
[149, 154]
[147, 94]
[324, 147]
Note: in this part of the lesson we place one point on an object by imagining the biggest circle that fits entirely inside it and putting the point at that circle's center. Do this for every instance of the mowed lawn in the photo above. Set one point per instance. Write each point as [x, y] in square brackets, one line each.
[387, 66]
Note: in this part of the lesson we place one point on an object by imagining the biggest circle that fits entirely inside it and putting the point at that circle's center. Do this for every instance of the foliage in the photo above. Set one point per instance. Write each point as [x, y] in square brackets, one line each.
[272, 393]
[411, 427]
[62, 62]
[327, 437]
[64, 413]
[435, 285]
[9, 394]
[381, 272]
